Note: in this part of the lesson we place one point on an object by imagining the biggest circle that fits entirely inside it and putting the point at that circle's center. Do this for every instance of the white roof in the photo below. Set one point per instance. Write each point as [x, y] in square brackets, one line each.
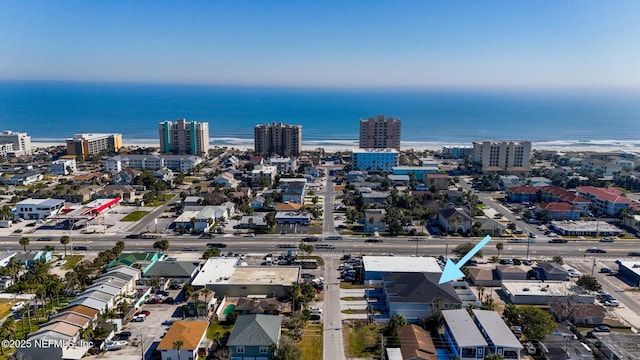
[463, 329]
[401, 264]
[496, 329]
[394, 354]
[215, 270]
[539, 288]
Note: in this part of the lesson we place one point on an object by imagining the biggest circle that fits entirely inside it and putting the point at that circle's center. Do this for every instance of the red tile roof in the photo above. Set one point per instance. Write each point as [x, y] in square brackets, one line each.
[558, 206]
[564, 195]
[604, 194]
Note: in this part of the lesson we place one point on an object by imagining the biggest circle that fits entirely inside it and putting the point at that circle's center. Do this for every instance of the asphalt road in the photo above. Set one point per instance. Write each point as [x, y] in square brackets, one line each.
[333, 341]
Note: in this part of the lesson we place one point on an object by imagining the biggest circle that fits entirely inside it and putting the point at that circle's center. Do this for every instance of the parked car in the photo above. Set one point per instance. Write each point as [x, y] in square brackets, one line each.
[315, 309]
[611, 303]
[516, 262]
[139, 318]
[532, 235]
[168, 300]
[605, 270]
[61, 262]
[527, 262]
[175, 286]
[17, 306]
[154, 301]
[144, 312]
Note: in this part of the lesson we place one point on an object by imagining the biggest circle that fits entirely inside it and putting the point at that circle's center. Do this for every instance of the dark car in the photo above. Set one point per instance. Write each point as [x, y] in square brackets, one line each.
[217, 245]
[206, 236]
[517, 262]
[189, 248]
[145, 312]
[175, 287]
[311, 239]
[168, 300]
[596, 251]
[132, 236]
[505, 261]
[80, 247]
[162, 292]
[286, 246]
[373, 241]
[633, 253]
[45, 238]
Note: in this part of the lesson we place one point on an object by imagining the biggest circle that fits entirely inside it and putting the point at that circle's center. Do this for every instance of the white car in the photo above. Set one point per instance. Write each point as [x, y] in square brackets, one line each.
[250, 235]
[17, 306]
[612, 303]
[315, 309]
[61, 262]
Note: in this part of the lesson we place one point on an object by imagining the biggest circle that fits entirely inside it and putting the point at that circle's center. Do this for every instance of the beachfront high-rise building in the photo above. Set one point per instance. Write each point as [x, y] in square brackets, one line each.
[21, 142]
[184, 137]
[502, 156]
[86, 145]
[277, 138]
[380, 133]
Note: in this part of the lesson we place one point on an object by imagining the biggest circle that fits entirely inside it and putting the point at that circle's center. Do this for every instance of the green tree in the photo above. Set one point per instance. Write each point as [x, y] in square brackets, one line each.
[558, 260]
[24, 242]
[161, 245]
[494, 356]
[65, 240]
[462, 250]
[499, 247]
[211, 252]
[286, 350]
[177, 345]
[589, 283]
[536, 323]
[397, 321]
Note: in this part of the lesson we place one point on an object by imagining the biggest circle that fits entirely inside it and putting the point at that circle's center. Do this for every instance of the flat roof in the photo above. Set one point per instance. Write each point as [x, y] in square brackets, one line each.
[625, 346]
[401, 264]
[592, 226]
[284, 275]
[40, 202]
[496, 329]
[633, 266]
[215, 270]
[551, 288]
[463, 329]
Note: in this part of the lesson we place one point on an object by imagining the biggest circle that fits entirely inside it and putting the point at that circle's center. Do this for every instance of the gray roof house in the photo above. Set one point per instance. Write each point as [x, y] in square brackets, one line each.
[455, 220]
[173, 269]
[551, 271]
[252, 336]
[499, 337]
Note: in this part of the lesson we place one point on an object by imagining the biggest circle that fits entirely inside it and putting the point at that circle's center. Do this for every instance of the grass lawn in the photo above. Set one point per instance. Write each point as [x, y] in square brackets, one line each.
[71, 261]
[311, 343]
[347, 285]
[361, 341]
[134, 215]
[353, 311]
[160, 200]
[5, 306]
[217, 330]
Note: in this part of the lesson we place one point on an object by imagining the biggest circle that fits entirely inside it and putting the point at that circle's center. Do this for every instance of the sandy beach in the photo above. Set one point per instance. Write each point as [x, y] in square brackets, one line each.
[341, 145]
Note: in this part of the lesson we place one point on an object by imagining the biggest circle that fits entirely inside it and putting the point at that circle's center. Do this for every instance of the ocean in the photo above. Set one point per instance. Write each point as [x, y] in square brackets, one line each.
[54, 111]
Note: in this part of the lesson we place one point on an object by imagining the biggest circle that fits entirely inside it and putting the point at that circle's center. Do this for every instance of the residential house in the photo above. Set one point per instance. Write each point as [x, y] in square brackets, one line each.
[399, 180]
[253, 336]
[483, 277]
[374, 220]
[226, 180]
[462, 336]
[294, 193]
[285, 165]
[375, 197]
[418, 171]
[30, 258]
[436, 181]
[455, 220]
[5, 258]
[500, 339]
[263, 171]
[510, 272]
[63, 167]
[142, 261]
[257, 202]
[417, 295]
[23, 179]
[184, 270]
[247, 306]
[599, 167]
[5, 282]
[88, 179]
[578, 313]
[538, 181]
[125, 192]
[165, 175]
[192, 335]
[192, 201]
[416, 343]
[125, 176]
[287, 206]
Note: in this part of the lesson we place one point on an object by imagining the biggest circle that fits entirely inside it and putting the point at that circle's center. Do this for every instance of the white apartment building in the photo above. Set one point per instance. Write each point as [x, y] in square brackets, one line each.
[181, 163]
[38, 208]
[63, 166]
[21, 142]
[502, 156]
[284, 165]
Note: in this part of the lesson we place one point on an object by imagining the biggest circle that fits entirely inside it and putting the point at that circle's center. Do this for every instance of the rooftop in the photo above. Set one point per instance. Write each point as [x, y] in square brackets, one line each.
[463, 329]
[401, 264]
[190, 332]
[81, 309]
[625, 346]
[633, 266]
[604, 194]
[496, 329]
[215, 270]
[416, 343]
[583, 226]
[255, 330]
[265, 275]
[539, 288]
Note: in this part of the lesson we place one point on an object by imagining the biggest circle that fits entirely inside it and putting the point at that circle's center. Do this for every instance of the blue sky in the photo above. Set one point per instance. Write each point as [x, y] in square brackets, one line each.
[522, 44]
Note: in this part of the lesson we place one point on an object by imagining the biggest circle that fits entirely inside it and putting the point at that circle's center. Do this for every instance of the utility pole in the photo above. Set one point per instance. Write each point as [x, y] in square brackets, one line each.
[593, 267]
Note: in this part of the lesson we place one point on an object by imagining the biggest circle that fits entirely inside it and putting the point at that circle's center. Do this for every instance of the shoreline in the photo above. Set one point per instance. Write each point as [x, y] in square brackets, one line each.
[348, 145]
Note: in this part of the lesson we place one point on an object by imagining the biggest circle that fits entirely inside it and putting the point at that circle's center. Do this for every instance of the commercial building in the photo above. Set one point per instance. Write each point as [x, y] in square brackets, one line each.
[21, 142]
[226, 278]
[630, 270]
[544, 292]
[502, 156]
[34, 209]
[85, 145]
[184, 137]
[277, 138]
[377, 266]
[419, 171]
[380, 133]
[374, 159]
[585, 228]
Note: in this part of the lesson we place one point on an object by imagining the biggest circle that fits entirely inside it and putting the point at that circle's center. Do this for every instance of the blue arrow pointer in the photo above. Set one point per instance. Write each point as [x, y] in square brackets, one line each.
[452, 270]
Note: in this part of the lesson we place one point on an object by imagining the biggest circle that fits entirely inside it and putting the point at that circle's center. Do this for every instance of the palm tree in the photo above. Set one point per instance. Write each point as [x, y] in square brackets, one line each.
[206, 293]
[24, 241]
[177, 345]
[65, 240]
[397, 321]
[499, 246]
